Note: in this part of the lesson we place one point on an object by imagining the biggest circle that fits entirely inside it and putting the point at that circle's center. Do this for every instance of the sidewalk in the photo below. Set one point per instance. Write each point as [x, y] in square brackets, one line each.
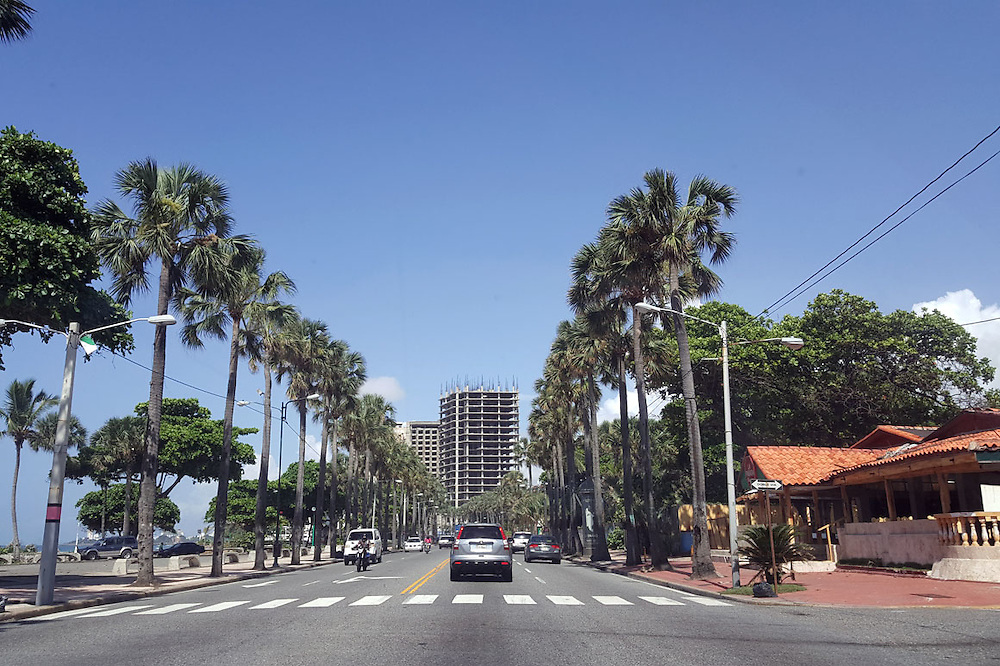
[79, 587]
[829, 588]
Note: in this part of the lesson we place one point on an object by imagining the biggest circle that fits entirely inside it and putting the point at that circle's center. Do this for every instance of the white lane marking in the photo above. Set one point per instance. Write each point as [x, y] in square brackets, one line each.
[372, 600]
[221, 606]
[612, 601]
[167, 609]
[266, 582]
[564, 601]
[360, 577]
[309, 583]
[117, 611]
[277, 603]
[707, 601]
[662, 601]
[527, 570]
[519, 599]
[61, 614]
[540, 580]
[322, 602]
[420, 599]
[467, 599]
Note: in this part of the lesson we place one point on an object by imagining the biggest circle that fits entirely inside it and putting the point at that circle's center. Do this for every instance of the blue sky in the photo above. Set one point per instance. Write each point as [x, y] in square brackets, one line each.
[426, 171]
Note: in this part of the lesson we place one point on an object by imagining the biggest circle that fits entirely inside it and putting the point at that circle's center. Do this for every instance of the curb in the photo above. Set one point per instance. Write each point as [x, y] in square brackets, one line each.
[155, 591]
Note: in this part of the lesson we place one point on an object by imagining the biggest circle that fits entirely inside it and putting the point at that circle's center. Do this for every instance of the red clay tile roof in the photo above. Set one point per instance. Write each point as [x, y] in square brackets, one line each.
[986, 440]
[891, 436]
[807, 465]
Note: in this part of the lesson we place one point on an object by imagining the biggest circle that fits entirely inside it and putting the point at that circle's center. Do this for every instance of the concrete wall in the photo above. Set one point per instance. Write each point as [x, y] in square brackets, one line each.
[892, 542]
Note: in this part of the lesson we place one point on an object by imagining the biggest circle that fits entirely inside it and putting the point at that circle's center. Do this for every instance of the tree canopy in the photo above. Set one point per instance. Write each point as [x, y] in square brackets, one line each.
[166, 514]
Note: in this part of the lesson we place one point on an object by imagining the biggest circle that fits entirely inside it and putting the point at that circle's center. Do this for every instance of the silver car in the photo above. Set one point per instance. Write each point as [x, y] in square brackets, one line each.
[481, 549]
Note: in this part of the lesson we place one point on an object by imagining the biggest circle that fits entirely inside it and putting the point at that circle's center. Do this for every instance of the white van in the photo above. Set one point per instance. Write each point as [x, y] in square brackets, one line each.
[374, 544]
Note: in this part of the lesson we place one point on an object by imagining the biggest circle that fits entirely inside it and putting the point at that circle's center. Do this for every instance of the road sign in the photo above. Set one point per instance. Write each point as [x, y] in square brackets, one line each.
[760, 484]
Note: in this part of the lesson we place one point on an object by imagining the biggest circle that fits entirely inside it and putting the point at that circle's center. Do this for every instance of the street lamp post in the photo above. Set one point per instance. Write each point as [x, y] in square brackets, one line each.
[281, 440]
[53, 510]
[793, 344]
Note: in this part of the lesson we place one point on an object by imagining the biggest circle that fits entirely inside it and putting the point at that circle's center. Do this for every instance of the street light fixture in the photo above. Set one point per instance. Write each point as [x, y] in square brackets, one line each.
[792, 343]
[281, 439]
[53, 512]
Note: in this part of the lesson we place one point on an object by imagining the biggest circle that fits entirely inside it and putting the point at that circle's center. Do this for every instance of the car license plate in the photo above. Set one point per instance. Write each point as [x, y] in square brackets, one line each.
[544, 548]
[481, 548]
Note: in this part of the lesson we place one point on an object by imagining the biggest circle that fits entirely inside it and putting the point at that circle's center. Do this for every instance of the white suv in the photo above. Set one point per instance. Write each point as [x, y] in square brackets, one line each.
[374, 544]
[519, 541]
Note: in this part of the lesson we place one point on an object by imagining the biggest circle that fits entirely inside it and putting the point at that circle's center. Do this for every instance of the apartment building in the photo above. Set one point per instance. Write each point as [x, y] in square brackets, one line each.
[422, 436]
[477, 437]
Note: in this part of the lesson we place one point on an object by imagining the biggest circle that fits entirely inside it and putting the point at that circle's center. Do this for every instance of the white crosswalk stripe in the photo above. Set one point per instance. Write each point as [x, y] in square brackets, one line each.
[372, 600]
[167, 609]
[612, 601]
[662, 601]
[564, 601]
[420, 599]
[116, 611]
[221, 606]
[277, 603]
[467, 599]
[322, 602]
[706, 601]
[519, 599]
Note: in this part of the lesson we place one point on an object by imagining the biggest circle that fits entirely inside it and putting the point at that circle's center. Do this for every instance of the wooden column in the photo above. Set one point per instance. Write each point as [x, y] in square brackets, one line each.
[763, 506]
[817, 518]
[786, 505]
[848, 514]
[913, 488]
[944, 492]
[890, 499]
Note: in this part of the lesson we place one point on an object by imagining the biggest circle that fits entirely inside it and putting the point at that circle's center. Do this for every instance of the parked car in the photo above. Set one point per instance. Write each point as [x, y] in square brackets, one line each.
[542, 547]
[481, 548]
[182, 548]
[413, 544]
[374, 544]
[112, 546]
[446, 541]
[519, 541]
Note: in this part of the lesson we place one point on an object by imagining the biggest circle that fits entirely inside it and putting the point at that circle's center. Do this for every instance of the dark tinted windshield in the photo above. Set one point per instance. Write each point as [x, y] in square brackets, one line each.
[542, 538]
[480, 532]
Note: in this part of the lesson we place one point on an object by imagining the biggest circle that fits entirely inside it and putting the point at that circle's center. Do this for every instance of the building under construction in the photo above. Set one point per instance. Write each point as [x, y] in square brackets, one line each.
[476, 438]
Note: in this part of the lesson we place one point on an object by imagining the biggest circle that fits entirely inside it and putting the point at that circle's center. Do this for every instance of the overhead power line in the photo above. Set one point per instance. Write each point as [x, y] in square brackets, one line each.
[809, 282]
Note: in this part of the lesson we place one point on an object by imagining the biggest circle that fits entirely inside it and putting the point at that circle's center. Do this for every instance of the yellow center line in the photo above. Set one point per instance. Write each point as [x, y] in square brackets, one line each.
[423, 579]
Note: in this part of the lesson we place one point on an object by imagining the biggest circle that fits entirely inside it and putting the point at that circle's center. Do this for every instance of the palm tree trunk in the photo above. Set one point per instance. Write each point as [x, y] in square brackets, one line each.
[222, 496]
[632, 554]
[16, 543]
[334, 517]
[701, 564]
[572, 509]
[150, 461]
[260, 513]
[127, 512]
[599, 551]
[104, 510]
[300, 481]
[320, 490]
[658, 558]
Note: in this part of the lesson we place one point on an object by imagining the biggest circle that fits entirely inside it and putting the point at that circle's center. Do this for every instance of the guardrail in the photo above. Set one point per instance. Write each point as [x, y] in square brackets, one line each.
[969, 528]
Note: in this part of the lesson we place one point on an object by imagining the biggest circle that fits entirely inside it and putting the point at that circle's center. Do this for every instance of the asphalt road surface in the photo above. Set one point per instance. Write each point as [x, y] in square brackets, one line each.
[407, 611]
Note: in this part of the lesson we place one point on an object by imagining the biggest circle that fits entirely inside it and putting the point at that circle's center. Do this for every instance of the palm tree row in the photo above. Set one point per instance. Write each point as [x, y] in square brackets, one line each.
[653, 249]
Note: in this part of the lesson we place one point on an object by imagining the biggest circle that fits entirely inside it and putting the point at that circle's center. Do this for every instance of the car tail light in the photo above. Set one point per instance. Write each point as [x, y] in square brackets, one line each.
[454, 546]
[502, 535]
[555, 546]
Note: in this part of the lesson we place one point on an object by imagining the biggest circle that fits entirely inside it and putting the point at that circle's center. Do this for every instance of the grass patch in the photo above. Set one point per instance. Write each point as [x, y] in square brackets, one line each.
[747, 590]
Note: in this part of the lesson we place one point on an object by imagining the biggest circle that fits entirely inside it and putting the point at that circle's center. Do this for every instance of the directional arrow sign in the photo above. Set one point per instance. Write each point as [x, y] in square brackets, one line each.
[766, 485]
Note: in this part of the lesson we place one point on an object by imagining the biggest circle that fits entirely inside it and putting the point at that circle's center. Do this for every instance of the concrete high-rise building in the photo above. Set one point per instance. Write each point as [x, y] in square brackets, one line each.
[422, 436]
[478, 433]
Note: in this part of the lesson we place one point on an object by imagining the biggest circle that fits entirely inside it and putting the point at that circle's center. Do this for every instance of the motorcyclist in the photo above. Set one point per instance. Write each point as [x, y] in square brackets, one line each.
[427, 543]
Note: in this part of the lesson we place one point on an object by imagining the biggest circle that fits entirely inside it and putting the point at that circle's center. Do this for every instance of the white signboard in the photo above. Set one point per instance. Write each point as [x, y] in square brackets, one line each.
[766, 485]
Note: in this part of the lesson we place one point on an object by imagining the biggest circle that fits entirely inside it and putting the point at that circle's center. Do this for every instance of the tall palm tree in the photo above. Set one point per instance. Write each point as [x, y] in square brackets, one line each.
[121, 442]
[179, 220]
[228, 304]
[675, 234]
[14, 24]
[22, 410]
[300, 351]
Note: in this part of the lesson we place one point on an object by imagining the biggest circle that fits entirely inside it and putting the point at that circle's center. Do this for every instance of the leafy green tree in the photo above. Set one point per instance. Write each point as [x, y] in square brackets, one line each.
[22, 410]
[14, 24]
[181, 222]
[47, 264]
[118, 446]
[93, 507]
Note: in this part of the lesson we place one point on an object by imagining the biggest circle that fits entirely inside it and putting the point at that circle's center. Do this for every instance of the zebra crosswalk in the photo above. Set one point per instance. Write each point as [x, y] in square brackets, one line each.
[285, 603]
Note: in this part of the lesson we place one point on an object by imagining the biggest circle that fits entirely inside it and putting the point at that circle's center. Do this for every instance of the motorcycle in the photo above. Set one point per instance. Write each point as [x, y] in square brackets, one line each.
[427, 546]
[363, 558]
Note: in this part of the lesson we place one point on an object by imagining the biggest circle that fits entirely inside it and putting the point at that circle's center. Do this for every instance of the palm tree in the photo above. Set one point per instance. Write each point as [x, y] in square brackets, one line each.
[180, 220]
[121, 443]
[300, 352]
[22, 410]
[757, 549]
[14, 15]
[228, 304]
[669, 237]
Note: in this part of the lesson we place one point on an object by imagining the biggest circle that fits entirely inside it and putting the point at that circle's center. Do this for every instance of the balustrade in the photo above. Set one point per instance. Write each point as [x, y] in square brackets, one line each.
[972, 528]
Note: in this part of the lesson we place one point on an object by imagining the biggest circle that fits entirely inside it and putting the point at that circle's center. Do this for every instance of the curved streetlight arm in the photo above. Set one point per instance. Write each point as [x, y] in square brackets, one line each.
[156, 320]
[646, 307]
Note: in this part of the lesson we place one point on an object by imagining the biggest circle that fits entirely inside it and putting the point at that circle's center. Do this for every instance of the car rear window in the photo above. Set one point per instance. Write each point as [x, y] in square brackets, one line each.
[354, 536]
[480, 532]
[542, 539]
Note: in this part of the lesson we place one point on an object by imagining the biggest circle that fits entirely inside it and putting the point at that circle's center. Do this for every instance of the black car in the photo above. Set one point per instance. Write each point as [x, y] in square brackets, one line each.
[542, 547]
[182, 548]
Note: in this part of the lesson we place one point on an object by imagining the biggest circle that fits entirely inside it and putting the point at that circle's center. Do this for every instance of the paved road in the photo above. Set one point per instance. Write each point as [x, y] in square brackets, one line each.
[406, 611]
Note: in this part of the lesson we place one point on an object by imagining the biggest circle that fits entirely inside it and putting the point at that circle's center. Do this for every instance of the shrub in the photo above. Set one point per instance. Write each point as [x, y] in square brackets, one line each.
[757, 548]
[616, 538]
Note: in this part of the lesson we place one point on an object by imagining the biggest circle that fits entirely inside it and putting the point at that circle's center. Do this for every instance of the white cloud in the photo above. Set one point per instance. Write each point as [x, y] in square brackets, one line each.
[610, 411]
[964, 308]
[387, 387]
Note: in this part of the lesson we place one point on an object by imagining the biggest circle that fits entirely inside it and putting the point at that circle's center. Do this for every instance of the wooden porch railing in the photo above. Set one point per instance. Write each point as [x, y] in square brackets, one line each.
[974, 528]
